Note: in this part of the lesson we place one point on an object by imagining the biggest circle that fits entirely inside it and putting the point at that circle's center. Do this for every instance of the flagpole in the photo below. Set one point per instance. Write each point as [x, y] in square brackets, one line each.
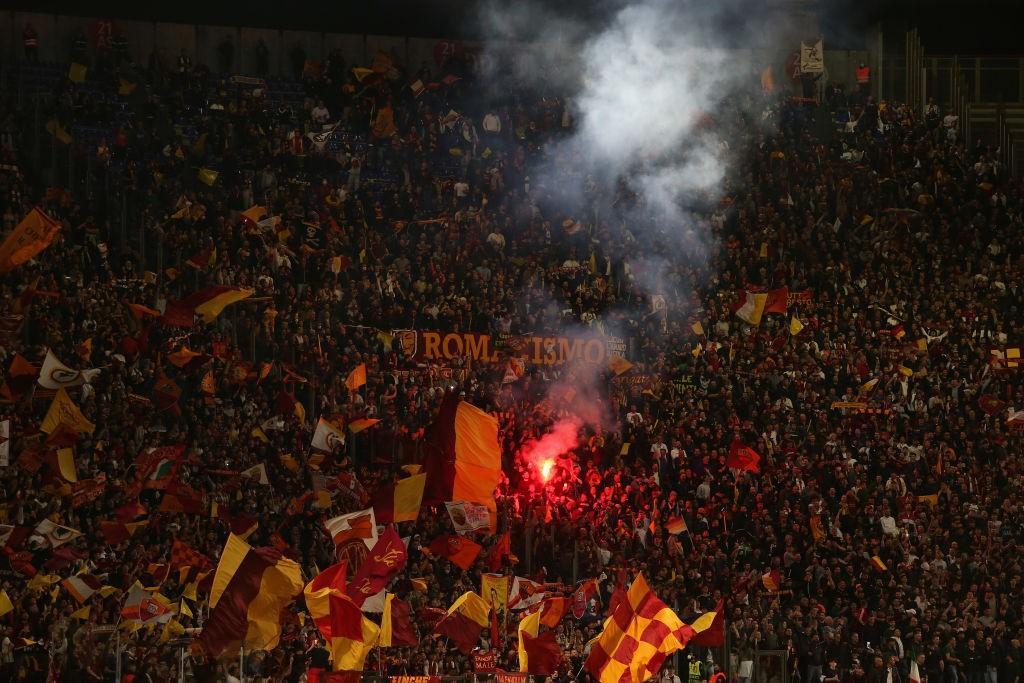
[117, 650]
[241, 663]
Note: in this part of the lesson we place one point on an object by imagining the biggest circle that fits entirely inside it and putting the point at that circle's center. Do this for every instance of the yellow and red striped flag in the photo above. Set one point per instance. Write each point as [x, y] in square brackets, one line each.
[637, 637]
[877, 563]
[772, 581]
[356, 378]
[251, 589]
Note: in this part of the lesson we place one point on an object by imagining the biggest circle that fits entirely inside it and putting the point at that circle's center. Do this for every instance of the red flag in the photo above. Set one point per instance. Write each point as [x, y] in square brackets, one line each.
[743, 457]
[495, 633]
[460, 551]
[552, 610]
[542, 652]
[184, 556]
[500, 550]
[581, 597]
[381, 565]
[712, 635]
[777, 301]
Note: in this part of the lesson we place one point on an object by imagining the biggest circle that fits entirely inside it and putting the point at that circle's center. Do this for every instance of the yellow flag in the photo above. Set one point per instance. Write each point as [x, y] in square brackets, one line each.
[30, 237]
[82, 613]
[618, 364]
[868, 386]
[697, 328]
[922, 344]
[356, 378]
[288, 461]
[76, 73]
[531, 625]
[208, 176]
[409, 497]
[63, 411]
[696, 351]
[259, 434]
[795, 326]
[183, 609]
[5, 603]
[66, 462]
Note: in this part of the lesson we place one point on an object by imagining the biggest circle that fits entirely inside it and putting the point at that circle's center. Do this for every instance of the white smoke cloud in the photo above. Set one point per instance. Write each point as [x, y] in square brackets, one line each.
[644, 78]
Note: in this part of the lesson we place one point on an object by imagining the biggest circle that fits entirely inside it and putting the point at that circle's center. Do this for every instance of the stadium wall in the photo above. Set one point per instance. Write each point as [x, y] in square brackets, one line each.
[57, 34]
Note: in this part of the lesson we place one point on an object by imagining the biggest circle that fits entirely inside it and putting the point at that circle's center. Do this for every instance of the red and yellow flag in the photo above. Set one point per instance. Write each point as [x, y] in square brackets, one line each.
[356, 378]
[637, 637]
[30, 237]
[251, 589]
[459, 550]
[400, 502]
[465, 620]
[463, 458]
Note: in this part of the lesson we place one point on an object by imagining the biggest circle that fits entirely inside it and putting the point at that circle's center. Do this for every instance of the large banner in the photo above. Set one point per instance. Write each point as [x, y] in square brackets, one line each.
[537, 350]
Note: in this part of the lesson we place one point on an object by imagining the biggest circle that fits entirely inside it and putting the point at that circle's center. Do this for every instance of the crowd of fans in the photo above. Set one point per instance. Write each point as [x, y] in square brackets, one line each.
[902, 240]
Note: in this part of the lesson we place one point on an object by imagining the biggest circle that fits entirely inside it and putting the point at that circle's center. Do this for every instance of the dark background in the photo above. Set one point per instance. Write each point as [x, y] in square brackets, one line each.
[982, 27]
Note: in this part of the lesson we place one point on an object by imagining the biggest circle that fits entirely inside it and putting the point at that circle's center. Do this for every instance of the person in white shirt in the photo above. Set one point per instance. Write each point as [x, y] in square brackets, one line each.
[492, 124]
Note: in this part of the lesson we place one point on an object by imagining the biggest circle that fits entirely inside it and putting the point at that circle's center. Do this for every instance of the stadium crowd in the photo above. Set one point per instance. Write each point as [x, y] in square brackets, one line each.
[866, 537]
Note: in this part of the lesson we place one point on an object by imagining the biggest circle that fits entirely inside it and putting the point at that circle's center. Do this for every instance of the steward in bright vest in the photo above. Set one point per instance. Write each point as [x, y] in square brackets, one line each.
[695, 672]
[863, 74]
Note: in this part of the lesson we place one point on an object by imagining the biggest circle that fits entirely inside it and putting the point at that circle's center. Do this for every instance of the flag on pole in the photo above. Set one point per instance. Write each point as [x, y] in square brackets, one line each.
[459, 550]
[354, 525]
[251, 589]
[636, 639]
[386, 559]
[743, 457]
[30, 237]
[396, 627]
[752, 308]
[463, 459]
[464, 621]
[356, 378]
[327, 437]
[710, 627]
[401, 501]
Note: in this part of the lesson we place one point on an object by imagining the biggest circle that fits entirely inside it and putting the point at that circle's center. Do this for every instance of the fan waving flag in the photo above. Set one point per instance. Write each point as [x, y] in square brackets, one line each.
[464, 622]
[327, 437]
[30, 237]
[743, 457]
[251, 589]
[539, 653]
[637, 637]
[317, 592]
[356, 378]
[355, 525]
[463, 460]
[386, 559]
[710, 627]
[207, 303]
[400, 502]
[752, 308]
[459, 550]
[396, 627]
